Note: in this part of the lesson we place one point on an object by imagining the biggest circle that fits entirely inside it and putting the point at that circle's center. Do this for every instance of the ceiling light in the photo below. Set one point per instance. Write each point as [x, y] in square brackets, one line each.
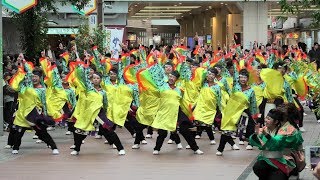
[135, 5]
[180, 3]
[164, 10]
[221, 3]
[226, 4]
[207, 9]
[175, 5]
[181, 16]
[171, 7]
[157, 13]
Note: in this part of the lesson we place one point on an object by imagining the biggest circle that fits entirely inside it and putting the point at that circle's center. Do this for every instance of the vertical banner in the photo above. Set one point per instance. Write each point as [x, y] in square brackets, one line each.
[113, 41]
[93, 21]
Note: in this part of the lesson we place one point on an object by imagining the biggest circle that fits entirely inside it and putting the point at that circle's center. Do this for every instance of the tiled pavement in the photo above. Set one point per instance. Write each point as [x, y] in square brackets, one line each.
[97, 160]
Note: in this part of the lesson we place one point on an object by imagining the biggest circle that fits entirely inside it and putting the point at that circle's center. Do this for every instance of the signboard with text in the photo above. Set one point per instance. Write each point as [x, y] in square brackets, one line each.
[88, 9]
[19, 6]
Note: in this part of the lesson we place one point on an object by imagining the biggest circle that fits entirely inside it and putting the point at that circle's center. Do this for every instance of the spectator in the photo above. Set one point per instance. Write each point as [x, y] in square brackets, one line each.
[314, 54]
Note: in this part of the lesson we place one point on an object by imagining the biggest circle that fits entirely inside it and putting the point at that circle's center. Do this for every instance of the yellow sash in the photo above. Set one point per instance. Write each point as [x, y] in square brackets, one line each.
[231, 114]
[87, 109]
[149, 105]
[27, 102]
[274, 83]
[121, 104]
[167, 114]
[56, 99]
[258, 91]
[191, 93]
[205, 110]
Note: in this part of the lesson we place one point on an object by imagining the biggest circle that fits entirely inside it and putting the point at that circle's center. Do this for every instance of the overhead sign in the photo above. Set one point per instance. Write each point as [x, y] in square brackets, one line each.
[88, 8]
[19, 6]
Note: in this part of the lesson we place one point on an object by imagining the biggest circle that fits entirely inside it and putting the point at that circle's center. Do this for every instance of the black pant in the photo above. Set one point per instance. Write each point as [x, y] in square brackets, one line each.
[266, 172]
[71, 127]
[175, 137]
[224, 140]
[208, 129]
[301, 112]
[8, 111]
[110, 135]
[41, 132]
[162, 134]
[150, 130]
[129, 127]
[187, 134]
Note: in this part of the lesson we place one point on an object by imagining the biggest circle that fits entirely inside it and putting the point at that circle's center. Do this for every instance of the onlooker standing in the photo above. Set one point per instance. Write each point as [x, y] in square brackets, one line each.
[314, 54]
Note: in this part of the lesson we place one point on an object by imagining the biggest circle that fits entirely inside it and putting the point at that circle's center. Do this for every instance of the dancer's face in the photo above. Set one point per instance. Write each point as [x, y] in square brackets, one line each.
[243, 79]
[270, 123]
[96, 80]
[113, 76]
[168, 69]
[35, 79]
[210, 77]
[172, 79]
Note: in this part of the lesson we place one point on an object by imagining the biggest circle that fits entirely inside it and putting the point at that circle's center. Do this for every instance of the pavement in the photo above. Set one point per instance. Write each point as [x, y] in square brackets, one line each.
[98, 160]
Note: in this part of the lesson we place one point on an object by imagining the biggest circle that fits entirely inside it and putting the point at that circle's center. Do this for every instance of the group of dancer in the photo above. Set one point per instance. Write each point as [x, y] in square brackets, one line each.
[236, 91]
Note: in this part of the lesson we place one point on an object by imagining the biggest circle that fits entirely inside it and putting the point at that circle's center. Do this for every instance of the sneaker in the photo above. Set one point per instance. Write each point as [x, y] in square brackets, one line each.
[98, 137]
[188, 147]
[199, 152]
[68, 133]
[114, 146]
[249, 147]
[134, 135]
[135, 146]
[241, 143]
[318, 121]
[55, 152]
[73, 146]
[155, 152]
[304, 114]
[148, 136]
[106, 142]
[83, 142]
[122, 152]
[213, 142]
[170, 141]
[74, 153]
[35, 137]
[235, 147]
[15, 152]
[302, 129]
[39, 141]
[50, 128]
[179, 146]
[144, 142]
[219, 153]
[234, 137]
[197, 137]
[8, 147]
[213, 132]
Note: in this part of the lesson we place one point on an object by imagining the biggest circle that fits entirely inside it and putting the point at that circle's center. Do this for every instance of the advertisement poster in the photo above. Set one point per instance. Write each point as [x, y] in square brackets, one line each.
[209, 39]
[113, 41]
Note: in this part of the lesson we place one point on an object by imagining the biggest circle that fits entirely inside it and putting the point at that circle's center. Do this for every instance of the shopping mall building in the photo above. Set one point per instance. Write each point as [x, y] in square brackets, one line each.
[218, 23]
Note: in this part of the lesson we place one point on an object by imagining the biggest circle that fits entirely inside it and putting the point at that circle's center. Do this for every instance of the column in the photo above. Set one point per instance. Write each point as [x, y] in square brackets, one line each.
[219, 25]
[1, 77]
[255, 23]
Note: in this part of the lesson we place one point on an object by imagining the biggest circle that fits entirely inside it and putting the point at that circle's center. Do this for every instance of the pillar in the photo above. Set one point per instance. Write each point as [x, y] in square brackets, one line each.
[219, 28]
[255, 23]
[1, 77]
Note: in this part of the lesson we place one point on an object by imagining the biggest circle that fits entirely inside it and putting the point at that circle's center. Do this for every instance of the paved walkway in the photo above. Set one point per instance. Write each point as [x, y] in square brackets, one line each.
[98, 160]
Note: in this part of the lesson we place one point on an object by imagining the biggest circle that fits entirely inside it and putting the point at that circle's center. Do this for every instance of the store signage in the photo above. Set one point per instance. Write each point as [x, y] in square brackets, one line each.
[19, 6]
[62, 31]
[88, 8]
[293, 36]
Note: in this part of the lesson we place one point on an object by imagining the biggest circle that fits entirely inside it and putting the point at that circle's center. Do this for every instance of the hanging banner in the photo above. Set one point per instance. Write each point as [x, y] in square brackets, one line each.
[113, 41]
[88, 9]
[19, 6]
